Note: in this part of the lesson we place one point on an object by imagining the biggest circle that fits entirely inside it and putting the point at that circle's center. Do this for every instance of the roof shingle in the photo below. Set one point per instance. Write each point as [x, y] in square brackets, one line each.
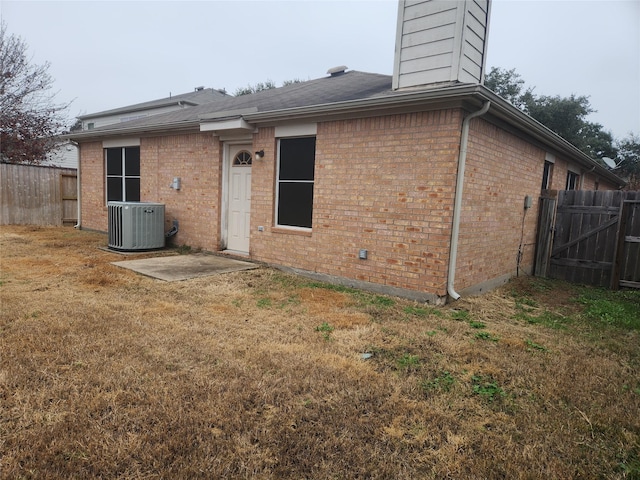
[352, 85]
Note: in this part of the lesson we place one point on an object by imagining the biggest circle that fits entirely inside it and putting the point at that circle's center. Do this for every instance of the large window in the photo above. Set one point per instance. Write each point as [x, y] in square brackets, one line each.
[123, 174]
[296, 165]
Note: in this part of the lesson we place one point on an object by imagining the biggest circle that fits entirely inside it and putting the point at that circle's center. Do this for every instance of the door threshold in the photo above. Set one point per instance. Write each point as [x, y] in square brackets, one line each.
[237, 253]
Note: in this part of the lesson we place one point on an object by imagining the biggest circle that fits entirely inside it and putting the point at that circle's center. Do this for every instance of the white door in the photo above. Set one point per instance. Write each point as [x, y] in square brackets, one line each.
[239, 201]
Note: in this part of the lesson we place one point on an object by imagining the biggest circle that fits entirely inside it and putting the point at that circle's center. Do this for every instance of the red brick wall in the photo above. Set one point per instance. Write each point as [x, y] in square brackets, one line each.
[501, 169]
[195, 158]
[588, 180]
[92, 195]
[384, 184]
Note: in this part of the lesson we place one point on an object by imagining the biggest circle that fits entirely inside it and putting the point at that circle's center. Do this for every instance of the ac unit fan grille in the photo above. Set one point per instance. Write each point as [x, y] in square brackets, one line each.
[136, 226]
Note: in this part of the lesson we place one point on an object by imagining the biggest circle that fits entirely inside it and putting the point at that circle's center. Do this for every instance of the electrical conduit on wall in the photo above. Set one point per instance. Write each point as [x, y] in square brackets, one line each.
[457, 206]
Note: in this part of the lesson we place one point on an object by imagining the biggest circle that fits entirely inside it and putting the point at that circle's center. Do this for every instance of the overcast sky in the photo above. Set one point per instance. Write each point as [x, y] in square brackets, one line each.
[109, 54]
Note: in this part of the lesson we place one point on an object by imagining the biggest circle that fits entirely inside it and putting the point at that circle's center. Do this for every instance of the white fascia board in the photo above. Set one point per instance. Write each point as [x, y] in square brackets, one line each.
[225, 125]
[409, 98]
[132, 109]
[118, 129]
[226, 114]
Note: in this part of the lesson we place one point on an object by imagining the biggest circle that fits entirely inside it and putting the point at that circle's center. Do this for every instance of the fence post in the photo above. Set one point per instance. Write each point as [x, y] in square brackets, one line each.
[544, 240]
[619, 246]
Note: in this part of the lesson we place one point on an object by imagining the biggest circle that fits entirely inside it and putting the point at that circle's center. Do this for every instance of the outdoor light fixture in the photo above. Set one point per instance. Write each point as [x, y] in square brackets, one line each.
[260, 155]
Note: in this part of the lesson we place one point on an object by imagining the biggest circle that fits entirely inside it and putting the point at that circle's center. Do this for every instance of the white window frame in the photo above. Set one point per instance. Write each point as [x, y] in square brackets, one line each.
[303, 132]
[576, 183]
[548, 168]
[124, 176]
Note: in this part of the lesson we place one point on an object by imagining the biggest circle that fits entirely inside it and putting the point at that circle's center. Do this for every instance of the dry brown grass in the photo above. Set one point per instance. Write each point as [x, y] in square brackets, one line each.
[108, 374]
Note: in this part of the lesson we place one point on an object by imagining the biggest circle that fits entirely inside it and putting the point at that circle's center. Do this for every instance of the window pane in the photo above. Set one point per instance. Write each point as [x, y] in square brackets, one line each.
[114, 161]
[133, 189]
[242, 158]
[297, 158]
[114, 189]
[132, 161]
[546, 175]
[295, 204]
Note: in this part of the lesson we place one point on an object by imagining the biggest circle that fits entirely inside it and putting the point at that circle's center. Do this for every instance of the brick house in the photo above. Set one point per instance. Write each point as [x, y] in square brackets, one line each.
[413, 184]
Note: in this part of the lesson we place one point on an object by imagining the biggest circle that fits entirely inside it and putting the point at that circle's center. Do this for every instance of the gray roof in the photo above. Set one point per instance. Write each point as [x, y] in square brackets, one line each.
[338, 88]
[351, 93]
[197, 97]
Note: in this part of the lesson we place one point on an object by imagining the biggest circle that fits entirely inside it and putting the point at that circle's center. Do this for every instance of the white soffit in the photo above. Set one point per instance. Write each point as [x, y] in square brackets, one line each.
[298, 130]
[121, 142]
[226, 125]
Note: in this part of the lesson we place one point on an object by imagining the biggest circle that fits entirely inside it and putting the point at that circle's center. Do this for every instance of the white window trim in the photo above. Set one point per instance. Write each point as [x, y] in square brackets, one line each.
[121, 142]
[303, 130]
[550, 173]
[578, 183]
[277, 202]
[124, 177]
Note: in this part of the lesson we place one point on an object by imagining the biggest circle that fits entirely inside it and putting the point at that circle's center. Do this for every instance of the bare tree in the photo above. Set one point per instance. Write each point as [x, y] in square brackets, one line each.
[29, 117]
[258, 87]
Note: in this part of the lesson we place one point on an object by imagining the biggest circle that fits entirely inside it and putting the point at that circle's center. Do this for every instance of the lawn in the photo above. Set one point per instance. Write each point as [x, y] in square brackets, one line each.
[105, 373]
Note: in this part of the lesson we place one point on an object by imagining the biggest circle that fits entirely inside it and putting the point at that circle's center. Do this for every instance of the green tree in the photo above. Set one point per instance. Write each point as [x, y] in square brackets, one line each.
[29, 118]
[258, 87]
[292, 81]
[566, 116]
[508, 84]
[598, 142]
[629, 160]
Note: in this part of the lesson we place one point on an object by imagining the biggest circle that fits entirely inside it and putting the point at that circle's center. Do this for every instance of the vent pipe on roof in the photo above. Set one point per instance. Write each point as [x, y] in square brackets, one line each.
[335, 71]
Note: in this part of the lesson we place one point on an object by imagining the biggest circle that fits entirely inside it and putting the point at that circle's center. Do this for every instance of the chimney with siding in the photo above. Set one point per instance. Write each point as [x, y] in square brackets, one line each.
[440, 42]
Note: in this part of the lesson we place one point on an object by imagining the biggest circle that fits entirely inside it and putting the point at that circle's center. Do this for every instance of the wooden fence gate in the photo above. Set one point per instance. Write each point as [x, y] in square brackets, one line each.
[69, 198]
[590, 237]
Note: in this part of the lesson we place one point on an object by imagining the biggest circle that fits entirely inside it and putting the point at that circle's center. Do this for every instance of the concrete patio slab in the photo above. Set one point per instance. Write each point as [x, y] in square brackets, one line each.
[184, 267]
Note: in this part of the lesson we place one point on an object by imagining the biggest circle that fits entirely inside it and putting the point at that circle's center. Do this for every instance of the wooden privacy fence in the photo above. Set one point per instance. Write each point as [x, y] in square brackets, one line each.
[33, 195]
[590, 237]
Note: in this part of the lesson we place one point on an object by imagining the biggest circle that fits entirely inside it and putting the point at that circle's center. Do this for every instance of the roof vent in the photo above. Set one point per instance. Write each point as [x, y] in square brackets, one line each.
[199, 89]
[335, 71]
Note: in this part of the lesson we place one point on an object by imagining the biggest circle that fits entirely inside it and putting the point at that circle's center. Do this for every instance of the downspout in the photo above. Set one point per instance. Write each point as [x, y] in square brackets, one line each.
[457, 205]
[78, 225]
[583, 174]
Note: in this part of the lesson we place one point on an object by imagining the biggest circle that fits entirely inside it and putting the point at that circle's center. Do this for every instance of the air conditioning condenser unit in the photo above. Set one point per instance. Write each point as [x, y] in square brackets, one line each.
[136, 226]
